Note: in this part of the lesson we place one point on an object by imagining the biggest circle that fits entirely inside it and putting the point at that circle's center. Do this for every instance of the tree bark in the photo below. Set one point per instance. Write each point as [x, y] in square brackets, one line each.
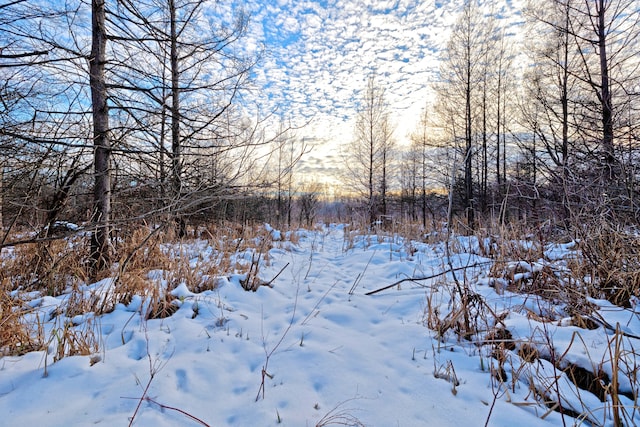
[468, 154]
[176, 146]
[606, 99]
[1, 196]
[100, 219]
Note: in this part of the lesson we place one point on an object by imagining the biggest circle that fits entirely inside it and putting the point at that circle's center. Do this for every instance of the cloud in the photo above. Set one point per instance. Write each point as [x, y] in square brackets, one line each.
[320, 53]
[327, 49]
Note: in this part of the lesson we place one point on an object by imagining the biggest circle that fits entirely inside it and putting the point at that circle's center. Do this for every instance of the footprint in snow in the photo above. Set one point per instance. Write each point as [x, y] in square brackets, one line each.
[181, 376]
[137, 349]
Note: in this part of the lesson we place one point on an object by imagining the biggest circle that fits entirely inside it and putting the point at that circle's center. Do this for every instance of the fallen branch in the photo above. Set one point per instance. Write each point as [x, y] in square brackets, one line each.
[276, 276]
[417, 279]
[185, 413]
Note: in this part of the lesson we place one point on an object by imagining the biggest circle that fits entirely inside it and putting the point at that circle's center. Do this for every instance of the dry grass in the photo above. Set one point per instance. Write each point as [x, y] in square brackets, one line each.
[17, 336]
[340, 415]
[69, 339]
[49, 267]
[611, 259]
[151, 262]
[605, 264]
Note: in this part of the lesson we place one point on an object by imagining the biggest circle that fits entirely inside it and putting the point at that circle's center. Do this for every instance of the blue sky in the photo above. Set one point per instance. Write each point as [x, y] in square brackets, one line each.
[319, 55]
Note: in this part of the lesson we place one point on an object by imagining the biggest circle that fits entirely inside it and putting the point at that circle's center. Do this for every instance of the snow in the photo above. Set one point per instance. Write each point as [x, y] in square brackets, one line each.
[326, 348]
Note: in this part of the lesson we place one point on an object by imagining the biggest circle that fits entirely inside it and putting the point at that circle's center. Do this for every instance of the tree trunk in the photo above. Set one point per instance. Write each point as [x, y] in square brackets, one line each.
[383, 189]
[100, 245]
[176, 148]
[372, 211]
[564, 99]
[1, 196]
[468, 172]
[606, 101]
[485, 157]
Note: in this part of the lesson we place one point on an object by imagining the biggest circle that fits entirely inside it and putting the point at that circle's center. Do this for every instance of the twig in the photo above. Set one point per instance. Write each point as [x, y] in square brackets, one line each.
[268, 354]
[276, 276]
[142, 398]
[416, 279]
[306, 319]
[154, 368]
[152, 374]
[194, 418]
[361, 275]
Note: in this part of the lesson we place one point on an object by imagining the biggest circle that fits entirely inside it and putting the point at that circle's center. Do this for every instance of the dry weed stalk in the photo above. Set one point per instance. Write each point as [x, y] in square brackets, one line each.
[269, 353]
[252, 282]
[611, 257]
[17, 336]
[340, 416]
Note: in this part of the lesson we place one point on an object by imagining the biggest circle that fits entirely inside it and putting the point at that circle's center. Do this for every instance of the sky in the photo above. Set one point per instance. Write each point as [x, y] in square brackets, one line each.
[319, 54]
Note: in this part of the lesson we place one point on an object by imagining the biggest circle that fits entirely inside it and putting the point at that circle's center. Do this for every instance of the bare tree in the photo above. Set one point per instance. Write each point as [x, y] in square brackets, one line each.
[192, 77]
[409, 181]
[100, 240]
[462, 74]
[43, 113]
[369, 156]
[590, 66]
[547, 104]
[17, 80]
[288, 150]
[309, 201]
[425, 140]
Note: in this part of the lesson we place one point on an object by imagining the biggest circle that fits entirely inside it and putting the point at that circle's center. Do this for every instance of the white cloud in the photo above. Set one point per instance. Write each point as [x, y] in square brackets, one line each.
[320, 57]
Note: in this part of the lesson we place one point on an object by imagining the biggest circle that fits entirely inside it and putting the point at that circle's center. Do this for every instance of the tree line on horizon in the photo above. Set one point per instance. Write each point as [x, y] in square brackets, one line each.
[127, 111]
[545, 129]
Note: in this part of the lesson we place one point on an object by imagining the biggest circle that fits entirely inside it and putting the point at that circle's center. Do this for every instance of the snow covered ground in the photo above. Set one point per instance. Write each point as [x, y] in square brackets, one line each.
[326, 353]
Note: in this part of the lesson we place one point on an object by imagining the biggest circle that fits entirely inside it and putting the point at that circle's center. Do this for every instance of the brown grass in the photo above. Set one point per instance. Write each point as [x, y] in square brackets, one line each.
[611, 257]
[606, 264]
[49, 267]
[17, 337]
[59, 267]
[69, 339]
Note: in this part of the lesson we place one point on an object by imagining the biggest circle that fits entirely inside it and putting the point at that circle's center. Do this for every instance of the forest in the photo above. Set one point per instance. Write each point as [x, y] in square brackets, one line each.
[133, 130]
[144, 116]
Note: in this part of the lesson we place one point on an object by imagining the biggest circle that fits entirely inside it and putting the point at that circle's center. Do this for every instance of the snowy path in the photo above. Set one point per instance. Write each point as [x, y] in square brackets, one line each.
[369, 356]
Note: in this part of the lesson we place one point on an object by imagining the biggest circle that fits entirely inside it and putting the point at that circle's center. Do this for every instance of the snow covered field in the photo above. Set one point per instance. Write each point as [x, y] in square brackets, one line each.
[314, 349]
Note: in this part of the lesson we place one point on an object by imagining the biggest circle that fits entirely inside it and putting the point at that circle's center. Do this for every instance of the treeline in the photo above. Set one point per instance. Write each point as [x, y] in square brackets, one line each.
[120, 111]
[117, 111]
[543, 128]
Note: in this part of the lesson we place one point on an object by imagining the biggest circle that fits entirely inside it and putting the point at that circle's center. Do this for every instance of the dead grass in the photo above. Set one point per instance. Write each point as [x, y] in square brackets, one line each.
[605, 264]
[611, 259]
[70, 339]
[49, 267]
[17, 336]
[151, 262]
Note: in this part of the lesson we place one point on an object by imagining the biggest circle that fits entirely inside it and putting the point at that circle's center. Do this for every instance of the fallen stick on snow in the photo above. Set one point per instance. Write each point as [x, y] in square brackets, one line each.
[416, 279]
